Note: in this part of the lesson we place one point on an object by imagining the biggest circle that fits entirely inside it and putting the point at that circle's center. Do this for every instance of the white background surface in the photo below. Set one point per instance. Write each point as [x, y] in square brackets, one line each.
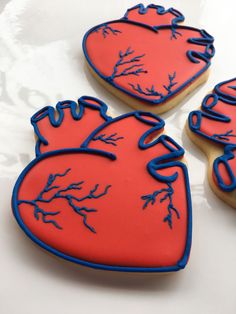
[41, 62]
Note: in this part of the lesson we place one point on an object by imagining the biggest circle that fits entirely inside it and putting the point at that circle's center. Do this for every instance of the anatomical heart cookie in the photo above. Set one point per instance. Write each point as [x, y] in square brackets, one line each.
[213, 129]
[109, 193]
[147, 59]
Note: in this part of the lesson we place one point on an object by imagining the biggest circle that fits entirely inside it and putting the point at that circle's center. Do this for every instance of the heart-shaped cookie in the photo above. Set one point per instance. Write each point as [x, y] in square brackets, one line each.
[106, 193]
[147, 59]
[213, 129]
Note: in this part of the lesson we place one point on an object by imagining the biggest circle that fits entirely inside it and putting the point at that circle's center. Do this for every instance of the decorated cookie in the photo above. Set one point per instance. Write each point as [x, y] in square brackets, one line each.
[109, 193]
[213, 129]
[147, 59]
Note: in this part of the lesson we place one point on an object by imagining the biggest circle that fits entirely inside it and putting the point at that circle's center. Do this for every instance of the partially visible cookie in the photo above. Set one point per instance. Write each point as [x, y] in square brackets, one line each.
[213, 129]
[147, 59]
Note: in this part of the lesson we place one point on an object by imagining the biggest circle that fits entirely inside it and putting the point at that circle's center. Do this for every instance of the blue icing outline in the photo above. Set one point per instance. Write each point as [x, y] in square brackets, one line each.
[80, 210]
[194, 56]
[49, 111]
[226, 97]
[160, 10]
[207, 110]
[108, 139]
[153, 166]
[228, 155]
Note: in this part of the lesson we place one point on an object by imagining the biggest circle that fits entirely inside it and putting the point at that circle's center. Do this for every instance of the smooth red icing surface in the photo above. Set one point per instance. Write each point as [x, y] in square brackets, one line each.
[163, 56]
[222, 169]
[126, 234]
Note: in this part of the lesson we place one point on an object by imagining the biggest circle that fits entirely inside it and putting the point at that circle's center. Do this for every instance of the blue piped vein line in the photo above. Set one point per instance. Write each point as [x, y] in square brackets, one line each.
[225, 96]
[174, 33]
[224, 136]
[107, 30]
[152, 92]
[148, 91]
[108, 139]
[152, 168]
[61, 193]
[134, 68]
[168, 196]
[205, 40]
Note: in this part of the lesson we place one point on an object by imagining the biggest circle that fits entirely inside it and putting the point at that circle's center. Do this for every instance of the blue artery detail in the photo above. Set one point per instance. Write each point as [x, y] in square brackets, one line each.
[108, 139]
[107, 30]
[152, 91]
[226, 97]
[224, 136]
[168, 195]
[209, 112]
[61, 193]
[205, 40]
[132, 65]
[154, 167]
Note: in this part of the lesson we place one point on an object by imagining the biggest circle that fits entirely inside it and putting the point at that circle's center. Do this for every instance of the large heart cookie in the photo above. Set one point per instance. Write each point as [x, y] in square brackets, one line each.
[213, 129]
[147, 59]
[106, 193]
